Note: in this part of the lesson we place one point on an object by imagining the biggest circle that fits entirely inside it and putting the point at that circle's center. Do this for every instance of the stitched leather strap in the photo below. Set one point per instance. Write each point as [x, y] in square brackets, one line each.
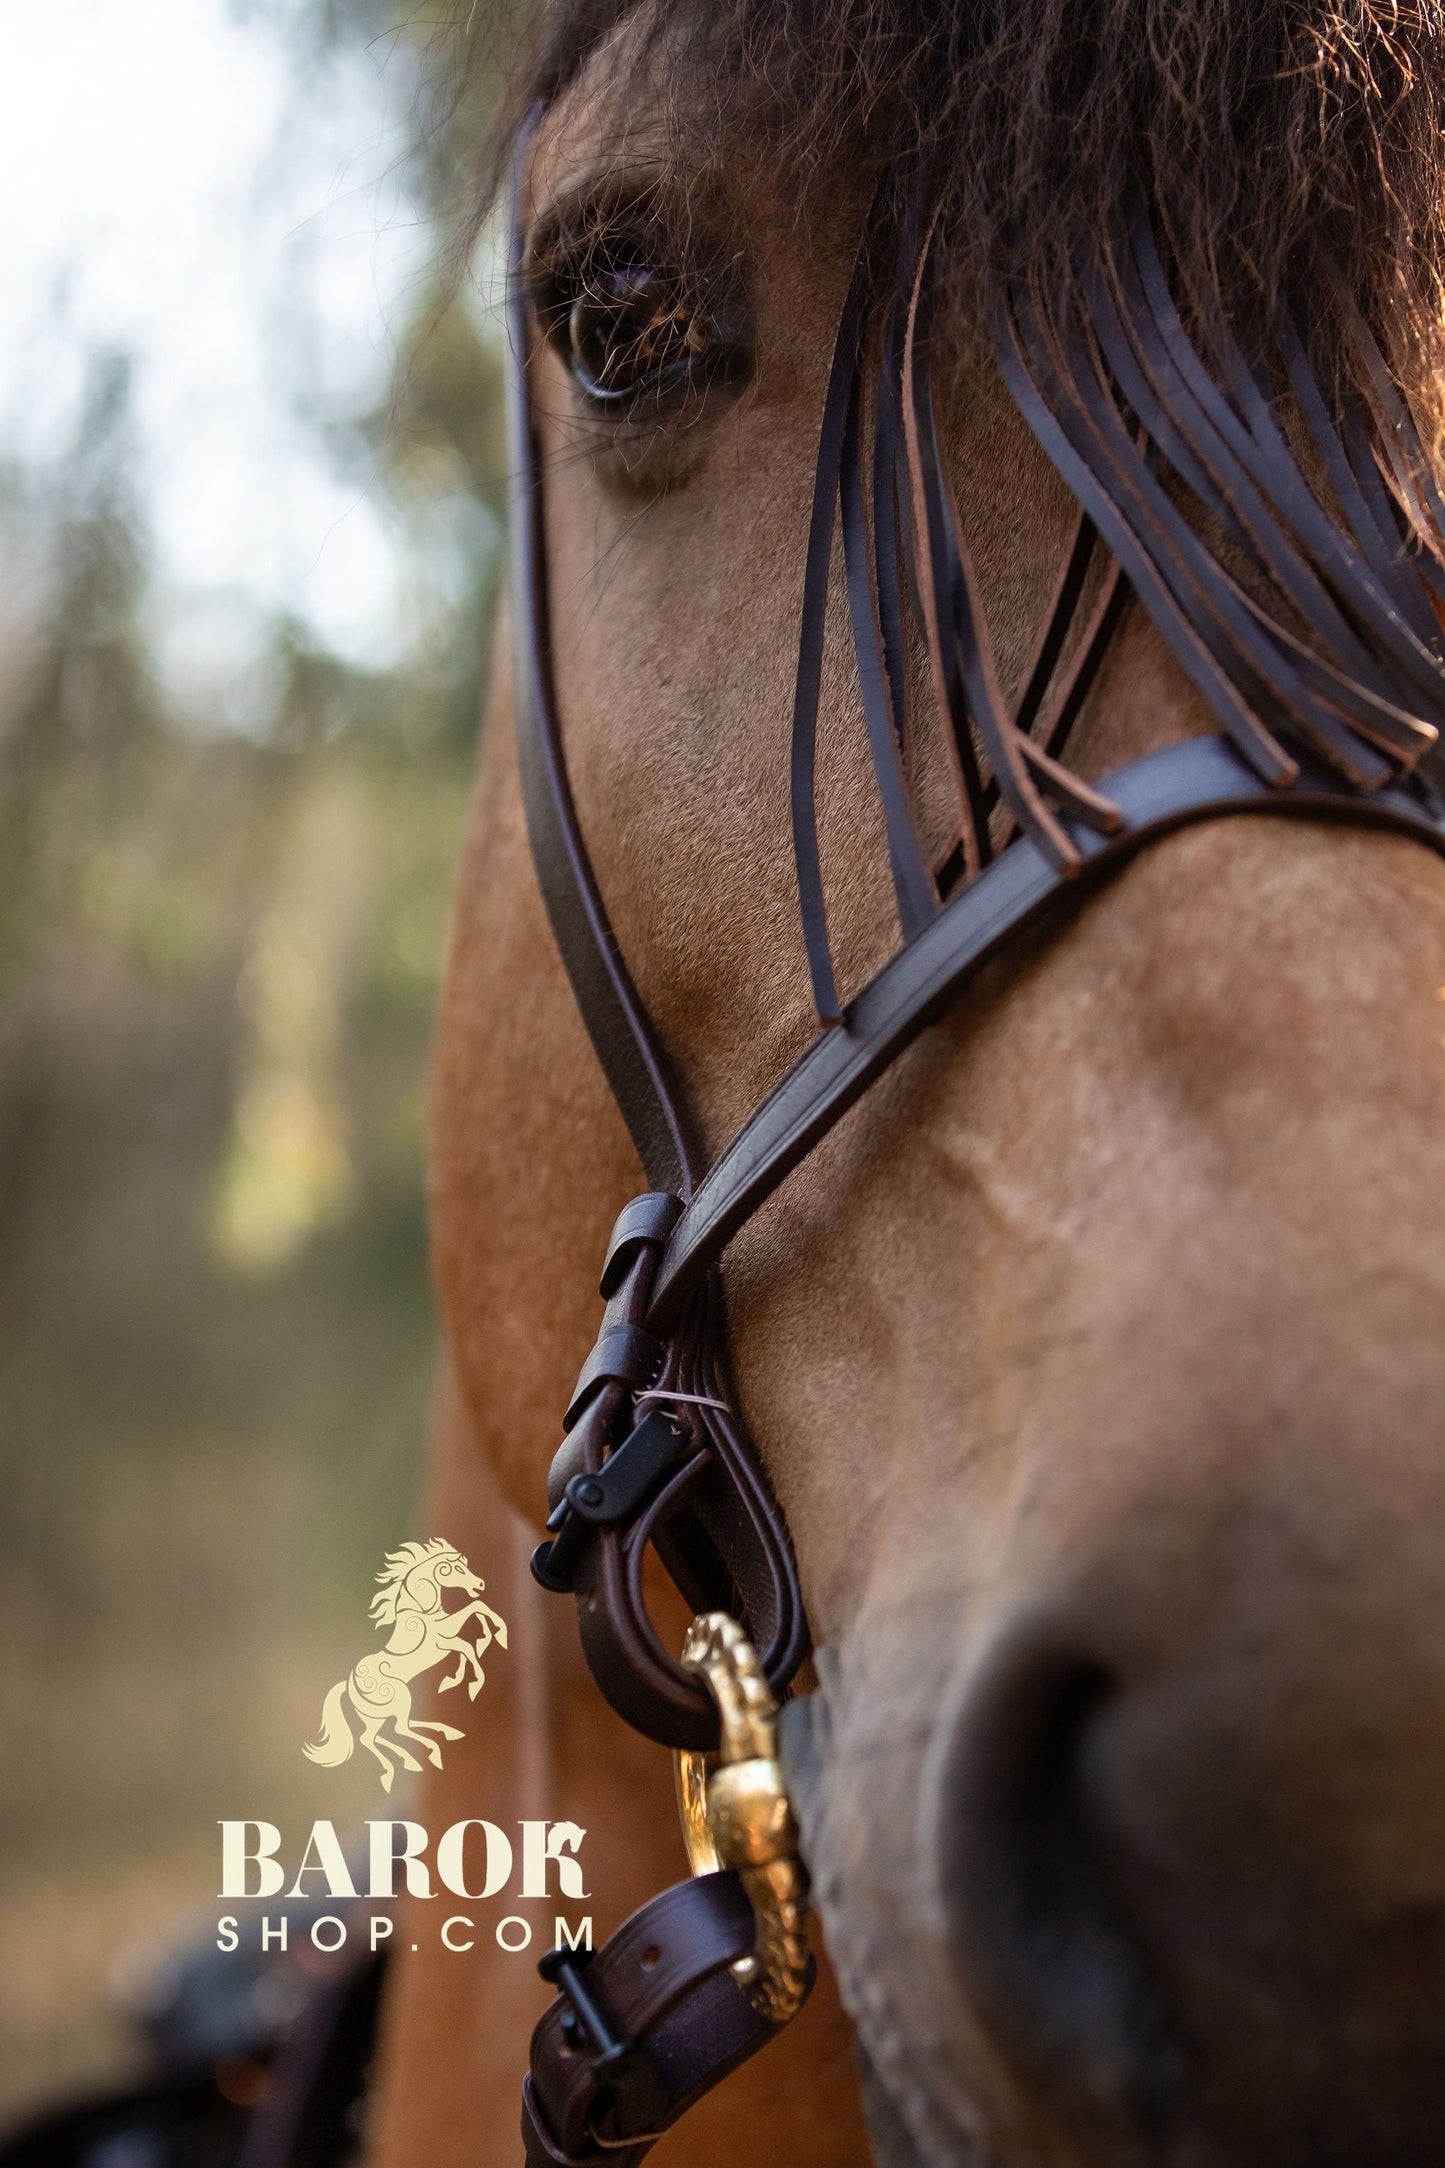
[642, 2028]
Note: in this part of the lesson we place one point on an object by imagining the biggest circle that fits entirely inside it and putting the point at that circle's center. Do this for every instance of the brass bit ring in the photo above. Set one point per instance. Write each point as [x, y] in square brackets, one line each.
[736, 1813]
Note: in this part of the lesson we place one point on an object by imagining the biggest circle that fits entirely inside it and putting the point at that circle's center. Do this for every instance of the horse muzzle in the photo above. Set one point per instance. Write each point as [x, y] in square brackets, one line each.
[1192, 1898]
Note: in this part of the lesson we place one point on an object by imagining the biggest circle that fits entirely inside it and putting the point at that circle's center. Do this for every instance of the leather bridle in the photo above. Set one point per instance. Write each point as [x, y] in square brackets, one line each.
[1329, 700]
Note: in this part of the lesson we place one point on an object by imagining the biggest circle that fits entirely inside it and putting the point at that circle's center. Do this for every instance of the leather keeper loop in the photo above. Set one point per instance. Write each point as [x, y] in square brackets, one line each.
[648, 1218]
[624, 1355]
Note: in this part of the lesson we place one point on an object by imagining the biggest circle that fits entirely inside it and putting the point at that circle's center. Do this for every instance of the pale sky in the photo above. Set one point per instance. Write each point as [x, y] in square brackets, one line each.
[173, 185]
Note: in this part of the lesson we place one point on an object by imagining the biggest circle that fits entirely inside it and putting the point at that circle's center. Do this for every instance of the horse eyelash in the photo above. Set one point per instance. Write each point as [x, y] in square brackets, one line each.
[561, 261]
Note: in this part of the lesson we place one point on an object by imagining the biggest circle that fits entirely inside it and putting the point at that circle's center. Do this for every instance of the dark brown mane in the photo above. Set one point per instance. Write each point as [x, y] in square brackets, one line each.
[1263, 132]
[1205, 242]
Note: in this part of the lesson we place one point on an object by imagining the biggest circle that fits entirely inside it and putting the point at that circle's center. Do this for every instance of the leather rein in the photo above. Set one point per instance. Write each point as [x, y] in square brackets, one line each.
[1328, 711]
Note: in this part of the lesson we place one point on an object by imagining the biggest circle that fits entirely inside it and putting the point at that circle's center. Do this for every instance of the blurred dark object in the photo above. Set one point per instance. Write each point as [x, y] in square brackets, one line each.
[187, 2123]
[248, 2061]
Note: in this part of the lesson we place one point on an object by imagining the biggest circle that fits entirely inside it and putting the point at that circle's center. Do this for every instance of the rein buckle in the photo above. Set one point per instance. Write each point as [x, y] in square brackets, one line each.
[586, 2019]
[625, 1358]
[613, 1495]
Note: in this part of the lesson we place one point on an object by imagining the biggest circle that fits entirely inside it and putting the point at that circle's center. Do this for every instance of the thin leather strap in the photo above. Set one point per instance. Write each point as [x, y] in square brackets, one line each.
[1192, 433]
[1063, 608]
[812, 625]
[913, 888]
[929, 564]
[718, 1525]
[1364, 692]
[1039, 390]
[1278, 700]
[1388, 583]
[1017, 765]
[617, 1024]
[1366, 567]
[889, 561]
[1253, 479]
[1067, 696]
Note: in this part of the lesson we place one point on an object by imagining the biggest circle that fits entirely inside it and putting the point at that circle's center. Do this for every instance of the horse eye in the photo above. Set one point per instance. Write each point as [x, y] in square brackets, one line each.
[630, 332]
[634, 333]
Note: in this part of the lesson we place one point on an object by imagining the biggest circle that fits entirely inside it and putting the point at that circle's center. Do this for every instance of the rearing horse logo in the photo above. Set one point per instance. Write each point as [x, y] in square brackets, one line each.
[424, 1633]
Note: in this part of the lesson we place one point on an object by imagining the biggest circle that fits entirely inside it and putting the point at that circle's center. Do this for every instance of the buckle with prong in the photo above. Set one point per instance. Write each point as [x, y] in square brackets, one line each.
[586, 2023]
[736, 1813]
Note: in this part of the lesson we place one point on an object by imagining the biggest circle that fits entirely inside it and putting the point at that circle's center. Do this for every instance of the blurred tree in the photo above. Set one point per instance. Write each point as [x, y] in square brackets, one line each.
[219, 950]
[73, 738]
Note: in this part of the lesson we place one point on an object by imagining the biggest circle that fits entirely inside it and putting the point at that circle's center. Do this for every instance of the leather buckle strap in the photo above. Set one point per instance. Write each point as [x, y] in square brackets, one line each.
[683, 1475]
[599, 1480]
[704, 1975]
[662, 1997]
[623, 1352]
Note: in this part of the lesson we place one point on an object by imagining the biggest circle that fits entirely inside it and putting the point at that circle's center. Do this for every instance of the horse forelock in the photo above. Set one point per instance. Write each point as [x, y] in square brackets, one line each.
[1259, 131]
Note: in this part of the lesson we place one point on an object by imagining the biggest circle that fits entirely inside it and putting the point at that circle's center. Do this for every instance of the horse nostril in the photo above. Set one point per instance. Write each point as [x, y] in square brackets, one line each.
[1040, 1939]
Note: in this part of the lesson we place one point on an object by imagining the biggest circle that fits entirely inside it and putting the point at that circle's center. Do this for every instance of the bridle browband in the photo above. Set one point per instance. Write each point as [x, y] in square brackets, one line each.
[1330, 711]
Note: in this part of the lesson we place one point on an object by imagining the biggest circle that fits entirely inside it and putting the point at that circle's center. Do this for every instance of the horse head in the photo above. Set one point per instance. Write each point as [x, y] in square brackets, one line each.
[1097, 1357]
[452, 1571]
[414, 1576]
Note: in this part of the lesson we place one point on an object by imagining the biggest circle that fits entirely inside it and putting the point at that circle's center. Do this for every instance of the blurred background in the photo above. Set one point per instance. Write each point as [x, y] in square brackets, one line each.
[250, 495]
